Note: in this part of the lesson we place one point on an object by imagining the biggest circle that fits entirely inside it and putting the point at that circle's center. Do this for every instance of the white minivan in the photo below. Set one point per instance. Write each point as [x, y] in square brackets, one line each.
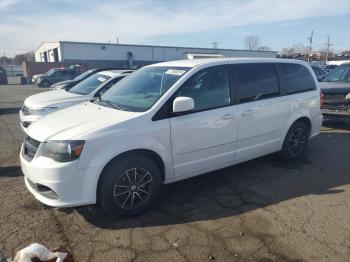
[39, 105]
[167, 122]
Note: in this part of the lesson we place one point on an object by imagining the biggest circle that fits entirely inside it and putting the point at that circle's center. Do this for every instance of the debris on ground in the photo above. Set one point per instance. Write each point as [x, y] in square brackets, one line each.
[38, 253]
[2, 257]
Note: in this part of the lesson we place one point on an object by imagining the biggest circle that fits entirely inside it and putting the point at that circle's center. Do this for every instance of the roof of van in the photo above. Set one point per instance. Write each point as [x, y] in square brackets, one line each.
[196, 62]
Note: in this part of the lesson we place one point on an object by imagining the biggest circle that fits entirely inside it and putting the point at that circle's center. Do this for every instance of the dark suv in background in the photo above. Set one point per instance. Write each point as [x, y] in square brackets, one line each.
[55, 75]
[335, 94]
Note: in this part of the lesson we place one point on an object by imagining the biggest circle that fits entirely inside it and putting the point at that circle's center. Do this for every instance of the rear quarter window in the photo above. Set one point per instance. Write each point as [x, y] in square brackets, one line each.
[295, 78]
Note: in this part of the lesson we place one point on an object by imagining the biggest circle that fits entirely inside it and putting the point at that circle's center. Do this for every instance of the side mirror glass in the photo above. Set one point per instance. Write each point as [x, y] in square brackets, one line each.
[183, 104]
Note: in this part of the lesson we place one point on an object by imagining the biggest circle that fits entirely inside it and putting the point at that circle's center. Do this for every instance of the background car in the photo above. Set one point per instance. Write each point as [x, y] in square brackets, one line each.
[39, 105]
[335, 90]
[70, 83]
[319, 71]
[330, 68]
[55, 75]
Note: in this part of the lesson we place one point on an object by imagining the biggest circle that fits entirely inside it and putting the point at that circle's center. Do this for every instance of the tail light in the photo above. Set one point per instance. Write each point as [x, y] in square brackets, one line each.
[321, 99]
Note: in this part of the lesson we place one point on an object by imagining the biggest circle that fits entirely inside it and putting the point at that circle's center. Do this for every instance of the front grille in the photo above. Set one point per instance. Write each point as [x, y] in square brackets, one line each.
[335, 102]
[25, 110]
[30, 147]
[334, 98]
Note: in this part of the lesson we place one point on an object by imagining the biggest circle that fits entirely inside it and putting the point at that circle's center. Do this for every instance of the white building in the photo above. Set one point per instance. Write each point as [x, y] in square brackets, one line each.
[125, 55]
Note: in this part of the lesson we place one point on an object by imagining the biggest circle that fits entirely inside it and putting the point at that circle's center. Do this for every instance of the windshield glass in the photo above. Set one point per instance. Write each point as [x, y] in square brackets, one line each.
[340, 74]
[88, 85]
[83, 75]
[49, 72]
[140, 90]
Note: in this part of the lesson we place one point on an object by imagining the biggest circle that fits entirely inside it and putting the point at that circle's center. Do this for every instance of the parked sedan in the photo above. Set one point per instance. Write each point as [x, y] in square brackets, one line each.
[70, 83]
[39, 105]
[335, 90]
[55, 75]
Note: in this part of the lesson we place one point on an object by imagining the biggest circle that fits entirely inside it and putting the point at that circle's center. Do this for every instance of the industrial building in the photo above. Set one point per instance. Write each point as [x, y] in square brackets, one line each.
[128, 56]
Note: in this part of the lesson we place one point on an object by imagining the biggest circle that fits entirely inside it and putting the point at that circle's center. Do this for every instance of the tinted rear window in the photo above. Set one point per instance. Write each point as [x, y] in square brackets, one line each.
[297, 78]
[255, 81]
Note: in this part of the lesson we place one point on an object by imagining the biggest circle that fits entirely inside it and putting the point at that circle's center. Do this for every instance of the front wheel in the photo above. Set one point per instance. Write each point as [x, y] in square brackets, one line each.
[129, 185]
[44, 84]
[295, 142]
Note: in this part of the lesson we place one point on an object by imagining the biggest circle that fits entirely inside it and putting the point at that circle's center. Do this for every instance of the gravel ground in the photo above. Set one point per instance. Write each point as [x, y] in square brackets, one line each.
[263, 210]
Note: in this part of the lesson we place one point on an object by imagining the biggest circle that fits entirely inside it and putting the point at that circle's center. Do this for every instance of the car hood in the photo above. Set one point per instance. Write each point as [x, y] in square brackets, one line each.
[335, 87]
[53, 98]
[75, 121]
[66, 82]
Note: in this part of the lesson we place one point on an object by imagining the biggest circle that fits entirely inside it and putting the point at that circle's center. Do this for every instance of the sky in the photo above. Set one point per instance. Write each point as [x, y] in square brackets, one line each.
[24, 24]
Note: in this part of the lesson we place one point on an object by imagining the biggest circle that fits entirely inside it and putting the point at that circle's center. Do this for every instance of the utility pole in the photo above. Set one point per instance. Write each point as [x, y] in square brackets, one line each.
[310, 44]
[328, 44]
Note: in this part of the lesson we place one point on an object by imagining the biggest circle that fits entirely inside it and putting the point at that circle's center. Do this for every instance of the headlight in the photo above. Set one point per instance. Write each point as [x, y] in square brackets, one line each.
[63, 151]
[347, 97]
[60, 86]
[41, 111]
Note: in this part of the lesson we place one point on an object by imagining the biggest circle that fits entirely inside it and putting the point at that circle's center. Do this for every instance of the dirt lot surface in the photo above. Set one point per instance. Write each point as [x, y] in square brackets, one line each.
[263, 210]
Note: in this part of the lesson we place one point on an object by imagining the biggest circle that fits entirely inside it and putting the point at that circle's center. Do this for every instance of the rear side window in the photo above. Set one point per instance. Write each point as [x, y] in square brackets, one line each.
[255, 81]
[296, 78]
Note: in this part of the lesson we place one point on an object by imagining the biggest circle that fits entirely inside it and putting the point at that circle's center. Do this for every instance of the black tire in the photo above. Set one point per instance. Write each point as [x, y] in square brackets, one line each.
[119, 195]
[295, 142]
[44, 83]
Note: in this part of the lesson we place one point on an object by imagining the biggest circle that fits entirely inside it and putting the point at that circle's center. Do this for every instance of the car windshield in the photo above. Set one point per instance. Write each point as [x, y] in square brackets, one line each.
[88, 85]
[139, 91]
[340, 74]
[50, 72]
[83, 75]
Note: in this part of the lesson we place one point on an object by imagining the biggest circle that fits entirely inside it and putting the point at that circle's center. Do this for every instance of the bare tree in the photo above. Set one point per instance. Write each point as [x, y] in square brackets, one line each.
[18, 59]
[264, 48]
[296, 48]
[252, 42]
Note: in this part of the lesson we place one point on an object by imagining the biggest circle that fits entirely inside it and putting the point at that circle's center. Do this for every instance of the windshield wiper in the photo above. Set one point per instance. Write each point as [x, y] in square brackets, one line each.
[111, 104]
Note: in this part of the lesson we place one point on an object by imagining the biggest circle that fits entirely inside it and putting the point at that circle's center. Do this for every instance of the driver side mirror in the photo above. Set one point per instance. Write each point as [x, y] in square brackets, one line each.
[183, 104]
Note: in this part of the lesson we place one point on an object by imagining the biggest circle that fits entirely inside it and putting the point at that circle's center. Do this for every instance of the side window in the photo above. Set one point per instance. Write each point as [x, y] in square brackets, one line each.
[255, 81]
[56, 73]
[68, 73]
[209, 88]
[296, 78]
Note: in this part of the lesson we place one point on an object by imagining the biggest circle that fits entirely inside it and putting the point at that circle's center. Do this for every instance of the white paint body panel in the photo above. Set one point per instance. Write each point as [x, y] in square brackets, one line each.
[59, 99]
[188, 145]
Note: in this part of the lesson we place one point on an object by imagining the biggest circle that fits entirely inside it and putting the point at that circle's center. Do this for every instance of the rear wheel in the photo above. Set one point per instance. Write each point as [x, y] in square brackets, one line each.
[295, 142]
[129, 185]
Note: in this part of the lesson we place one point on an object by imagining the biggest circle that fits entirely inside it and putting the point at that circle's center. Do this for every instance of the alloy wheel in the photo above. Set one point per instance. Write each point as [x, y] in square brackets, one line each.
[133, 188]
[297, 140]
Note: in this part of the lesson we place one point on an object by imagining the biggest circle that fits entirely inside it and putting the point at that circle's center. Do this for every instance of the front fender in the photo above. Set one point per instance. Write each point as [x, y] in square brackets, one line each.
[98, 153]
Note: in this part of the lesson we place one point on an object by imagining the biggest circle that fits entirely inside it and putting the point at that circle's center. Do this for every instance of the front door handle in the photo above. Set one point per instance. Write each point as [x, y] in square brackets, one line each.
[226, 116]
[248, 112]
